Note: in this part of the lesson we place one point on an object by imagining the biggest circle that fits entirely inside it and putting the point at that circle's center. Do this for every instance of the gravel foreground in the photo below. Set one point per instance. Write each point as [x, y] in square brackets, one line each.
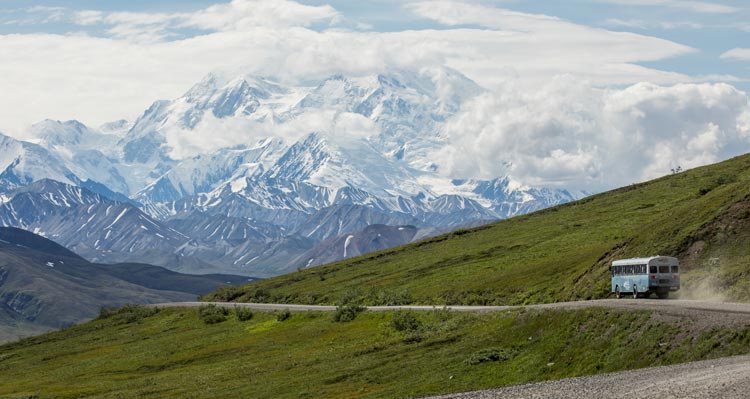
[726, 378]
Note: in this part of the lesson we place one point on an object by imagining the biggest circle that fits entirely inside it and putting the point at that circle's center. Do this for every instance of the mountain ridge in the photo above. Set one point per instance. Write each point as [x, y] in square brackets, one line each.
[287, 156]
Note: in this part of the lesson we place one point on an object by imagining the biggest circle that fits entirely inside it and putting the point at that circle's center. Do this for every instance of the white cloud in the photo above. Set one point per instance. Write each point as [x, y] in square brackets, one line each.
[737, 54]
[627, 23]
[694, 6]
[212, 133]
[570, 134]
[242, 15]
[100, 79]
[238, 15]
[539, 46]
[642, 24]
[88, 17]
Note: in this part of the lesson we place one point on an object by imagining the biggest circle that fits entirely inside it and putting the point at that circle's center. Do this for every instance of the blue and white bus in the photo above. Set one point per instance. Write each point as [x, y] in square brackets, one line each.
[658, 275]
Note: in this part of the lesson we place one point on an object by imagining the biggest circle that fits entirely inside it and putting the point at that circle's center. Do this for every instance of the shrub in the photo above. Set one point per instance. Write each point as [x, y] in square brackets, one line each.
[489, 355]
[390, 298]
[348, 312]
[405, 321]
[212, 314]
[243, 314]
[283, 315]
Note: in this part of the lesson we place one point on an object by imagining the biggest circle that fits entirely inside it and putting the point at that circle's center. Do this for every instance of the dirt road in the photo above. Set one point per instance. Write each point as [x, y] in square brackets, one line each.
[719, 312]
[727, 378]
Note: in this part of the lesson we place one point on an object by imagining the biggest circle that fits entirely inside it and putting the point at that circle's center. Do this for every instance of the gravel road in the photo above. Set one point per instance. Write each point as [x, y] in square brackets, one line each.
[677, 306]
[727, 378]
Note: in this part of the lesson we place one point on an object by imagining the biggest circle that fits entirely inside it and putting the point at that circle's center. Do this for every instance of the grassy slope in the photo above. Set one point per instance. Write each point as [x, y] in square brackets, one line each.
[557, 254]
[174, 354]
[702, 215]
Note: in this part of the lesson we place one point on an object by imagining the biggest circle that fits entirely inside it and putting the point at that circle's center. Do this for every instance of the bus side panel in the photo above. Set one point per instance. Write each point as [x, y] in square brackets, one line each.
[626, 283]
[641, 281]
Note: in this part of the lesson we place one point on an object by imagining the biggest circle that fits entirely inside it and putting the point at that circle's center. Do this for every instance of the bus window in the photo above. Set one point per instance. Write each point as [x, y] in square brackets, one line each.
[642, 269]
[653, 270]
[675, 269]
[663, 269]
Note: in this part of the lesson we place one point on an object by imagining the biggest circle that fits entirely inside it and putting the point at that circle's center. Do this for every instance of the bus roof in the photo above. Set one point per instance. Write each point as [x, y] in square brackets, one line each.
[641, 261]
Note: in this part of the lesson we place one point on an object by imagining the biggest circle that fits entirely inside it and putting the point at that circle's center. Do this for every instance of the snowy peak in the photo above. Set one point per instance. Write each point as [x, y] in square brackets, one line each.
[203, 173]
[56, 133]
[241, 96]
[397, 93]
[302, 159]
[22, 163]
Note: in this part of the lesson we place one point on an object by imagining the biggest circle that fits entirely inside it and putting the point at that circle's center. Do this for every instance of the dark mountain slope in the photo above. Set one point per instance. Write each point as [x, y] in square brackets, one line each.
[43, 286]
[701, 216]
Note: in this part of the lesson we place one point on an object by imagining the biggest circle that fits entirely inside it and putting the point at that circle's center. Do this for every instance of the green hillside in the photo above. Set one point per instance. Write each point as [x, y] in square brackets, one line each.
[701, 216]
[174, 354]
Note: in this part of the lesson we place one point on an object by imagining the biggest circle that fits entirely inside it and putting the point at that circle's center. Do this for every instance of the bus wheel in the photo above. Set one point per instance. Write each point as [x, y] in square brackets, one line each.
[618, 294]
[635, 291]
[663, 295]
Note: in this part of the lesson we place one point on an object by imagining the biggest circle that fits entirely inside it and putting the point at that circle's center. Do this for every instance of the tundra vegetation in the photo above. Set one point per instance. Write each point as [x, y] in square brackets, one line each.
[139, 352]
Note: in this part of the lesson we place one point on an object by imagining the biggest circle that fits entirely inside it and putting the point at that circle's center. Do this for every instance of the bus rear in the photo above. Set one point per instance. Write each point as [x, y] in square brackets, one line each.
[663, 275]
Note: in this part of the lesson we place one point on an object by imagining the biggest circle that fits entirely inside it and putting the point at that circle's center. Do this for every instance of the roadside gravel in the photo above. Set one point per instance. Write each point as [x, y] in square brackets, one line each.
[726, 378]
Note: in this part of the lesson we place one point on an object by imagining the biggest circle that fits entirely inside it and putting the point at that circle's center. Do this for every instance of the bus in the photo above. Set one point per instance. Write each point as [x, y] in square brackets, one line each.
[642, 277]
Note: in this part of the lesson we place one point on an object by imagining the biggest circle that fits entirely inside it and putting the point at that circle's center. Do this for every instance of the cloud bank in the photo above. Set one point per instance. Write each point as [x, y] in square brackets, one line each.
[571, 135]
[127, 59]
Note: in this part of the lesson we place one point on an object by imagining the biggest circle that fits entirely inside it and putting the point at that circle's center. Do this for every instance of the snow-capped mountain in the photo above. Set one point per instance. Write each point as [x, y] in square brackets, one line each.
[90, 224]
[89, 153]
[22, 163]
[253, 176]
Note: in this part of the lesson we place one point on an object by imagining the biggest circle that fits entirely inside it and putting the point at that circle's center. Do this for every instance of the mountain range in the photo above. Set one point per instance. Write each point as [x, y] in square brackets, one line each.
[250, 176]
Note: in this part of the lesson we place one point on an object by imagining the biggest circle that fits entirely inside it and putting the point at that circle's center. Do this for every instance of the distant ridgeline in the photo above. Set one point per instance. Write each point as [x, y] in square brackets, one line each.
[44, 286]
